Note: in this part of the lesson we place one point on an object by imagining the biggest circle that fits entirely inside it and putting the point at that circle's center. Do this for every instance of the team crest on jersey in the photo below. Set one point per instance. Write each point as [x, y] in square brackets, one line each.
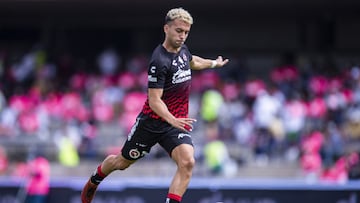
[184, 57]
[180, 62]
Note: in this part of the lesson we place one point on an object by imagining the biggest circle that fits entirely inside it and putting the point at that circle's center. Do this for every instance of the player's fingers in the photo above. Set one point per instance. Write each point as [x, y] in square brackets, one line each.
[224, 62]
[191, 120]
[187, 124]
[188, 128]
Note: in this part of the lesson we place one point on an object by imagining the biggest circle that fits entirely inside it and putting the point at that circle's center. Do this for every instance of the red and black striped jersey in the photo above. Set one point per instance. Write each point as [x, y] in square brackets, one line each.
[172, 73]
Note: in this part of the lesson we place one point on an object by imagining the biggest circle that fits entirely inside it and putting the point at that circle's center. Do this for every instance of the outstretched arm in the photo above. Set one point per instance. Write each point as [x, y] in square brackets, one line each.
[199, 63]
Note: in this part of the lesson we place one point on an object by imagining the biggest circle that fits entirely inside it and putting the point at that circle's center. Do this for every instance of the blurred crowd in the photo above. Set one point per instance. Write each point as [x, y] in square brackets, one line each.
[292, 111]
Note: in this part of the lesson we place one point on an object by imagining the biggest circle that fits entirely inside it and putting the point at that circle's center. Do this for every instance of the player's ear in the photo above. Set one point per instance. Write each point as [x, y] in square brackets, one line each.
[166, 28]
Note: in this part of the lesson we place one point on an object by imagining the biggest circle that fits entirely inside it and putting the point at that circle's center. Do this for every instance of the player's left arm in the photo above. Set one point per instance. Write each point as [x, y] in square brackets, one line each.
[199, 63]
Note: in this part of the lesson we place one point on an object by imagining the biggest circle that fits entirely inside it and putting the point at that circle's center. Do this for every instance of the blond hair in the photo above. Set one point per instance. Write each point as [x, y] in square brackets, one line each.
[178, 13]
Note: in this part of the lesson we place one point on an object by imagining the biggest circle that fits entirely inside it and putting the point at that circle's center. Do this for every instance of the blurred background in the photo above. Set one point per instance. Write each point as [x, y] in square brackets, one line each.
[287, 106]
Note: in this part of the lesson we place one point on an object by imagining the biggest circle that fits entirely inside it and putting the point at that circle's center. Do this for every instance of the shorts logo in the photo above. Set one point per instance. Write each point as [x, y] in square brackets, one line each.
[134, 153]
[182, 135]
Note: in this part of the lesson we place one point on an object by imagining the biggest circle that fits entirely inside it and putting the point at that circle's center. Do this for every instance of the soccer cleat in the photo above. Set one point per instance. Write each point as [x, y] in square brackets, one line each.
[88, 192]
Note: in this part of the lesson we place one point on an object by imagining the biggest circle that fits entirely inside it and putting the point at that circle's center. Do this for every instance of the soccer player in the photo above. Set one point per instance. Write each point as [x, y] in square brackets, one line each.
[164, 117]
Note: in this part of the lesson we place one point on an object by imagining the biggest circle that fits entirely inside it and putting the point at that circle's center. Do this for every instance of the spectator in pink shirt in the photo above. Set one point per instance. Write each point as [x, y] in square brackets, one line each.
[319, 85]
[310, 160]
[339, 172]
[38, 186]
[3, 160]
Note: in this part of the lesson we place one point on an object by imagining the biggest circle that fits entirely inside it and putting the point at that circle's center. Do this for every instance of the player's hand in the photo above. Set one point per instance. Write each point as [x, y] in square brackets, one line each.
[184, 124]
[220, 62]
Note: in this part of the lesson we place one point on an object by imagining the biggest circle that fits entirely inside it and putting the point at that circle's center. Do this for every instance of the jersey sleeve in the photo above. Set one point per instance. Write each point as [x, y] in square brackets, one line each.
[156, 74]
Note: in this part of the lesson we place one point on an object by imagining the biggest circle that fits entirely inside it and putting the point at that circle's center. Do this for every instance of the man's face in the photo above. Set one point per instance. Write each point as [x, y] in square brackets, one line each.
[176, 32]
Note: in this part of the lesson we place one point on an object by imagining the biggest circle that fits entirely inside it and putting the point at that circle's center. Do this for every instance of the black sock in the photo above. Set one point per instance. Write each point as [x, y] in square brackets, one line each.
[97, 176]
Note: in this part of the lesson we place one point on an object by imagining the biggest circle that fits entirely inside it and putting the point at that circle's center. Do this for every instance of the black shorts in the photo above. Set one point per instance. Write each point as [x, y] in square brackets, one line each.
[146, 132]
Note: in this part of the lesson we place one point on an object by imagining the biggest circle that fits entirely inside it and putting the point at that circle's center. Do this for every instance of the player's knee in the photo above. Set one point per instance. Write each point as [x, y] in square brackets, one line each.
[187, 163]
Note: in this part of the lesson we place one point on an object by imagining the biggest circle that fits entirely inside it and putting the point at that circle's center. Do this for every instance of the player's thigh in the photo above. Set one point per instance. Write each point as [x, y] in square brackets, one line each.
[177, 139]
[138, 144]
[183, 153]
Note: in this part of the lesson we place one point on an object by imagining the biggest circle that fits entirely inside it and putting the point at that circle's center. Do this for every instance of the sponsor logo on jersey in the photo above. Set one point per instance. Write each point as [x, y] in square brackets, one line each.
[152, 69]
[181, 76]
[152, 78]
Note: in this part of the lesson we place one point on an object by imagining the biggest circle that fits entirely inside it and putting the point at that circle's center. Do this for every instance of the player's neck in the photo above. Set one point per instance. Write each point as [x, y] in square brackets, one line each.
[170, 48]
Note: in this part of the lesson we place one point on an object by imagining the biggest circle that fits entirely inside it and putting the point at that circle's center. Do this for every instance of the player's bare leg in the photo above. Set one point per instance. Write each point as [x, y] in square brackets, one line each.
[110, 164]
[183, 155]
